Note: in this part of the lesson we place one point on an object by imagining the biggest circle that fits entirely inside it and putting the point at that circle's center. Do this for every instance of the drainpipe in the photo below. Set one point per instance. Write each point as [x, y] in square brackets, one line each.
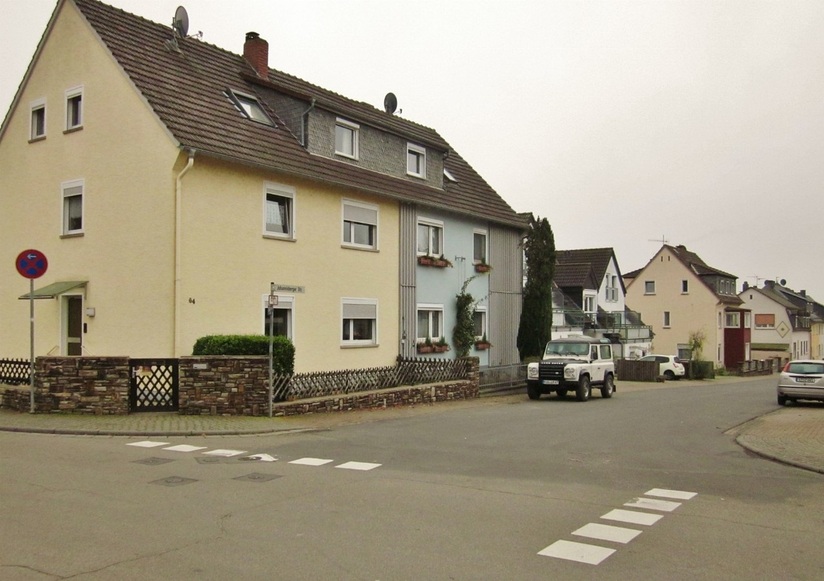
[303, 123]
[178, 239]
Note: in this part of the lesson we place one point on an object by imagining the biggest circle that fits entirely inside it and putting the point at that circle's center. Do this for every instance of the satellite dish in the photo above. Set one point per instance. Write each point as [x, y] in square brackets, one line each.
[390, 103]
[783, 282]
[181, 22]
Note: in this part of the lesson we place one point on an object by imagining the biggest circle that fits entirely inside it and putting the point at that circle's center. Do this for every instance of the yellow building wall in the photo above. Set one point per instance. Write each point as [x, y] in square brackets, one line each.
[696, 310]
[227, 265]
[126, 159]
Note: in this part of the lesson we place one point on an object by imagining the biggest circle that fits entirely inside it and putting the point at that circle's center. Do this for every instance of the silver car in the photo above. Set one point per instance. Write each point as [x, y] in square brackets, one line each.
[802, 379]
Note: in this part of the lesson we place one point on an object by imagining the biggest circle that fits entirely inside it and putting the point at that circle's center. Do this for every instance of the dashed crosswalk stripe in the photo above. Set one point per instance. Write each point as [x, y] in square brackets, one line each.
[607, 533]
[631, 516]
[595, 555]
[677, 494]
[184, 448]
[311, 461]
[653, 504]
[148, 444]
[224, 453]
[357, 466]
[580, 552]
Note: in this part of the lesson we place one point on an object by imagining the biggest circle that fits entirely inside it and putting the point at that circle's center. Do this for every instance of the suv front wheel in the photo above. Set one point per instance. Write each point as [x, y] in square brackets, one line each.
[584, 388]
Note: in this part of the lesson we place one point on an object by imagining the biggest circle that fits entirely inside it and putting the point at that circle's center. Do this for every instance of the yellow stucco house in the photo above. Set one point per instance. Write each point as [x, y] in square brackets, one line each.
[678, 294]
[172, 185]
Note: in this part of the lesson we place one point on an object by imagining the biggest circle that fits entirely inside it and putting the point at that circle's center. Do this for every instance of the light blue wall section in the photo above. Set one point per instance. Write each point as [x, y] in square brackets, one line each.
[439, 286]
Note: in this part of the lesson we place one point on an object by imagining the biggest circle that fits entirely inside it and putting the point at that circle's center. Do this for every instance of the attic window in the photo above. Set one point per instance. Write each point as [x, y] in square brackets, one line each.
[249, 106]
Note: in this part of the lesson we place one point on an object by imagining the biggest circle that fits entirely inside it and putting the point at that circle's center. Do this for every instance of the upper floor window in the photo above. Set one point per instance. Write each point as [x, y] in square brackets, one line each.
[685, 287]
[611, 288]
[346, 138]
[74, 108]
[279, 211]
[732, 320]
[667, 319]
[360, 322]
[649, 287]
[360, 225]
[479, 252]
[430, 237]
[765, 321]
[38, 120]
[72, 194]
[415, 160]
[249, 106]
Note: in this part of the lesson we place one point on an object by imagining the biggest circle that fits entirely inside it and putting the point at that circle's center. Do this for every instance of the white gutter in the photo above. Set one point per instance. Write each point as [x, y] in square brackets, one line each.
[178, 239]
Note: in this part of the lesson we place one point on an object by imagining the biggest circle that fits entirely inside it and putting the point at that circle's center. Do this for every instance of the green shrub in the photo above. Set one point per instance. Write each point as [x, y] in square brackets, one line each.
[701, 370]
[283, 352]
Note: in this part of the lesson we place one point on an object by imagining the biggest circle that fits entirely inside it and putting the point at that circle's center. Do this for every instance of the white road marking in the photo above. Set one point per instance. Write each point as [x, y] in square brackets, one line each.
[263, 457]
[358, 466]
[607, 533]
[148, 444]
[677, 494]
[226, 453]
[311, 461]
[653, 504]
[630, 516]
[185, 448]
[580, 552]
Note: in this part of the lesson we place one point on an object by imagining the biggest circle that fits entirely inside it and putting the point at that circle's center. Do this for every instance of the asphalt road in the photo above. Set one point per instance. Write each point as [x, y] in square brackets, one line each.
[505, 489]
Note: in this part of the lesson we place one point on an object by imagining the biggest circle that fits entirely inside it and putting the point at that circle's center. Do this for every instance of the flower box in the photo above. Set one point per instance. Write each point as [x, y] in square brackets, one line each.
[481, 267]
[423, 348]
[433, 261]
[482, 345]
[440, 348]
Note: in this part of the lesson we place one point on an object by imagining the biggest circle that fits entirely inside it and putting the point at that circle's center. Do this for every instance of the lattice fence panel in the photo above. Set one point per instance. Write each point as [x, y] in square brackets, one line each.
[15, 371]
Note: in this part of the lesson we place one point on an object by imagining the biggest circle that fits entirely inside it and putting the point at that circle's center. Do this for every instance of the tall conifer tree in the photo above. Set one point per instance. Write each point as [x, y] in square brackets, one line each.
[535, 327]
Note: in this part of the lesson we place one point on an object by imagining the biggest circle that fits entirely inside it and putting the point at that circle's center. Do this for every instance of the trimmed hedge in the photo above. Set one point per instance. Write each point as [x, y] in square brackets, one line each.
[282, 348]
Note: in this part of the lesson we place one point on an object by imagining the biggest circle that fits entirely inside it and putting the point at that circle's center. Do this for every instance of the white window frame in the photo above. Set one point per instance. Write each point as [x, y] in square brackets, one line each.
[354, 129]
[359, 213]
[484, 322]
[429, 308]
[66, 194]
[685, 287]
[733, 316]
[484, 259]
[435, 230]
[34, 107]
[667, 322]
[347, 323]
[649, 287]
[281, 191]
[419, 153]
[249, 106]
[747, 322]
[71, 94]
[285, 302]
[769, 326]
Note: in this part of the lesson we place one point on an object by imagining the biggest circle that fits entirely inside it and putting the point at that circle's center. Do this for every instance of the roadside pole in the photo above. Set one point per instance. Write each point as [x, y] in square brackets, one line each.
[273, 301]
[31, 264]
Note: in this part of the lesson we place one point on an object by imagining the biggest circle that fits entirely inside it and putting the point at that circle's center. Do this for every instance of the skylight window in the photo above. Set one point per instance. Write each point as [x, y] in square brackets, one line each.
[250, 107]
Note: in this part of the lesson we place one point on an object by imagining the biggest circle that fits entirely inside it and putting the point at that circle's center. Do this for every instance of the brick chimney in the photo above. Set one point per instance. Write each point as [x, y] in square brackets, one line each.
[256, 52]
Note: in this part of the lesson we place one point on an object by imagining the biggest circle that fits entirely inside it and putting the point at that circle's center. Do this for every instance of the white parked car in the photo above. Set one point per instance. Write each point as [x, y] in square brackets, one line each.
[669, 365]
[801, 380]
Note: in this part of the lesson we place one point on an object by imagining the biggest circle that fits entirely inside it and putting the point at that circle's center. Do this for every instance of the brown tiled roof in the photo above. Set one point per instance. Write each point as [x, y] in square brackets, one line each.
[598, 258]
[575, 275]
[186, 89]
[701, 269]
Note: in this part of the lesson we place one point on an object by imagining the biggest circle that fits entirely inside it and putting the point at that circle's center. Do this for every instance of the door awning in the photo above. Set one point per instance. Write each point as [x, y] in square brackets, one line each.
[54, 289]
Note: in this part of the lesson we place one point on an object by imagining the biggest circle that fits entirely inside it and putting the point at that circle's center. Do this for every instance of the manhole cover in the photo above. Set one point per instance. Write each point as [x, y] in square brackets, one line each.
[258, 477]
[153, 461]
[174, 481]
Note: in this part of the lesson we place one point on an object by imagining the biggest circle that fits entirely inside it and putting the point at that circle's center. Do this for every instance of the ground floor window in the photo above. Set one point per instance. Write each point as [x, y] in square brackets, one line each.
[430, 323]
[359, 322]
[281, 316]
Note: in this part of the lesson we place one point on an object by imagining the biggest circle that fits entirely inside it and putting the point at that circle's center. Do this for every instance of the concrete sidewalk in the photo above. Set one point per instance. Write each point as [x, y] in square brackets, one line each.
[792, 435]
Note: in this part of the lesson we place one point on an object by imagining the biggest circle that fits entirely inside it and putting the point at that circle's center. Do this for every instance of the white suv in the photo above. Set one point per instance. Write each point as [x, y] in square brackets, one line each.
[575, 363]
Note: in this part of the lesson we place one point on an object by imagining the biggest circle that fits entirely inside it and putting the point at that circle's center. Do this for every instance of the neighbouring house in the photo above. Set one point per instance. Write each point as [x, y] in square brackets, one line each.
[680, 295]
[174, 185]
[784, 321]
[589, 297]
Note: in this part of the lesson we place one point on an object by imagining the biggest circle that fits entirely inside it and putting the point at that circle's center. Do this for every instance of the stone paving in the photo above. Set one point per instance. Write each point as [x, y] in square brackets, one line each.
[793, 435]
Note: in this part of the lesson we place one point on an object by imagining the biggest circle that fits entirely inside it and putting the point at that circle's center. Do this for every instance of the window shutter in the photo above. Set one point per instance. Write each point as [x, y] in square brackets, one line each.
[360, 215]
[360, 311]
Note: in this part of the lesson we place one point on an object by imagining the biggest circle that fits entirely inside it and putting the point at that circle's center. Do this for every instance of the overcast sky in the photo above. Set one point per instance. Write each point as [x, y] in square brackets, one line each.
[624, 122]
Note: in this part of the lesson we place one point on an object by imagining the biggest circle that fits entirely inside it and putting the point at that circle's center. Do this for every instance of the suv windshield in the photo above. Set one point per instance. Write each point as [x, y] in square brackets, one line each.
[576, 349]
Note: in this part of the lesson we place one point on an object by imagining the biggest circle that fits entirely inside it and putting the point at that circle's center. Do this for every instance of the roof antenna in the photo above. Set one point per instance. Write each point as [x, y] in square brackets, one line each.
[663, 240]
